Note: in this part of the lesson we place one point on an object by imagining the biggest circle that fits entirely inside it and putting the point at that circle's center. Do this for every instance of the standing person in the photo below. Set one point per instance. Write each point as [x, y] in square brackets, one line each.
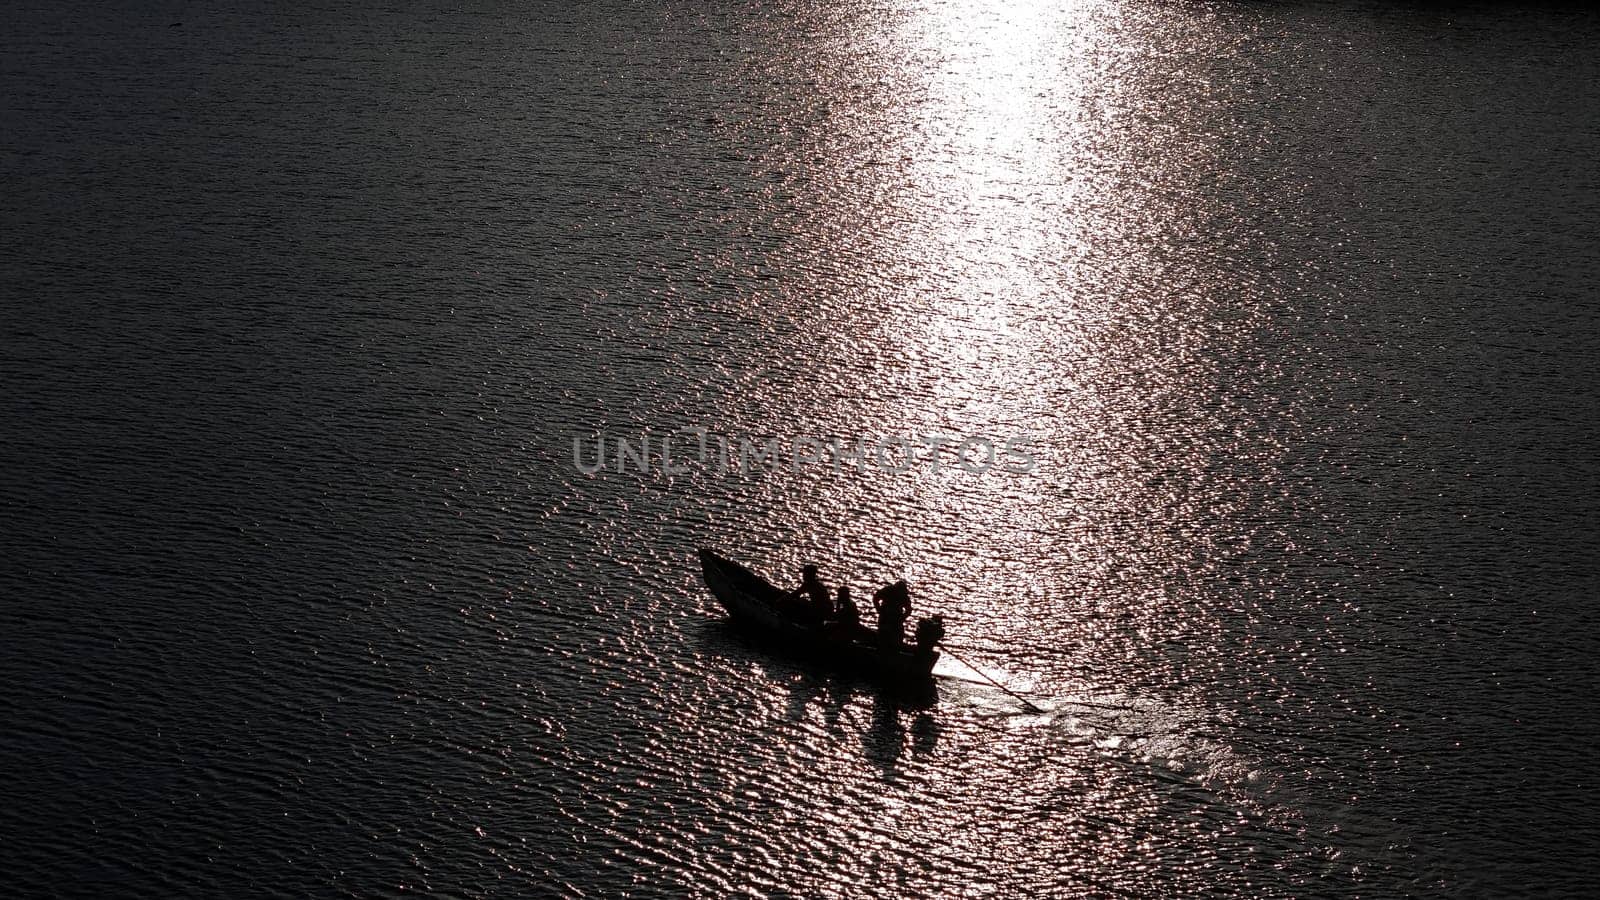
[893, 603]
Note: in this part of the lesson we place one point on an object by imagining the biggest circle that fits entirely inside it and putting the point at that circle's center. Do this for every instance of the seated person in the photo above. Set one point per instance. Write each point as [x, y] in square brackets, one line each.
[846, 607]
[812, 601]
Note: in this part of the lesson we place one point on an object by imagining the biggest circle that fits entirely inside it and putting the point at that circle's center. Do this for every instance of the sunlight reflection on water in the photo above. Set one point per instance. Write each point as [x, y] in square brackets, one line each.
[311, 327]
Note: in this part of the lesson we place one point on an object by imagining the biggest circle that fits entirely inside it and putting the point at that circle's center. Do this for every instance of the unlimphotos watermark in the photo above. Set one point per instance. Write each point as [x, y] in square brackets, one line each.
[684, 450]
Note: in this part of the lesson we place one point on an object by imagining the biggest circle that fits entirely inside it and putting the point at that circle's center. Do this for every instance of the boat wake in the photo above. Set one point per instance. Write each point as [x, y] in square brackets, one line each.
[1172, 743]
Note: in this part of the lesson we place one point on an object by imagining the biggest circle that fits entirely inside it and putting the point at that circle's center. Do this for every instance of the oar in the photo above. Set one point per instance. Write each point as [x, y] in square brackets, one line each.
[1025, 701]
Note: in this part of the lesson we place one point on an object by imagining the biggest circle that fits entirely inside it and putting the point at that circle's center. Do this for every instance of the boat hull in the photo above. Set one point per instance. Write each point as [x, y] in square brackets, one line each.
[752, 603]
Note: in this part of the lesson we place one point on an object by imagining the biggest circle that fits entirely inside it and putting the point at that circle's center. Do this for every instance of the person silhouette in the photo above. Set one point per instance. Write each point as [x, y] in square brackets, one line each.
[893, 603]
[846, 607]
[813, 595]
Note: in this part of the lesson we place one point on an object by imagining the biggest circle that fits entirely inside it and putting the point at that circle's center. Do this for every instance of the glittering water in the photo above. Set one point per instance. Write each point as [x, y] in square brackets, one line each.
[302, 591]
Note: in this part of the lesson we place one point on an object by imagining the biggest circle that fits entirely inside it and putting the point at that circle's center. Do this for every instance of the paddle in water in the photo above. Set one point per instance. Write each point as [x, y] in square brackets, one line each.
[1025, 701]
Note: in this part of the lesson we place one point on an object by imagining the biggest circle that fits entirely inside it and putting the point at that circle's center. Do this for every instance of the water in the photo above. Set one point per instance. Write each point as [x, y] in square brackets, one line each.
[304, 309]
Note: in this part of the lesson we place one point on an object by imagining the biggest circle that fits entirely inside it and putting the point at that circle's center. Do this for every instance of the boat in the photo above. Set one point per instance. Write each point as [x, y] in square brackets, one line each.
[753, 603]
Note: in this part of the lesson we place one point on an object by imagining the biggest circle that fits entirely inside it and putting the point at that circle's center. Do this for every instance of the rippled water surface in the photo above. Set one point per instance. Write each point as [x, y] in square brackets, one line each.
[304, 592]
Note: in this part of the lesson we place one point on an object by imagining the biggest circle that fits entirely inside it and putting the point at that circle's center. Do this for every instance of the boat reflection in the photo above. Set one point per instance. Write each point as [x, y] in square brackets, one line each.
[886, 720]
[916, 694]
[885, 735]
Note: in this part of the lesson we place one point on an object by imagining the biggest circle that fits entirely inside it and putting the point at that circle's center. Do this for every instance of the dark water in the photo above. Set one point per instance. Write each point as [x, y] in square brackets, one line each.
[303, 308]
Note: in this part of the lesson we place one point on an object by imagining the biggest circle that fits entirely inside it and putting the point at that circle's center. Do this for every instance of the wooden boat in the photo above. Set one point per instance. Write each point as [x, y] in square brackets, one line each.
[753, 603]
